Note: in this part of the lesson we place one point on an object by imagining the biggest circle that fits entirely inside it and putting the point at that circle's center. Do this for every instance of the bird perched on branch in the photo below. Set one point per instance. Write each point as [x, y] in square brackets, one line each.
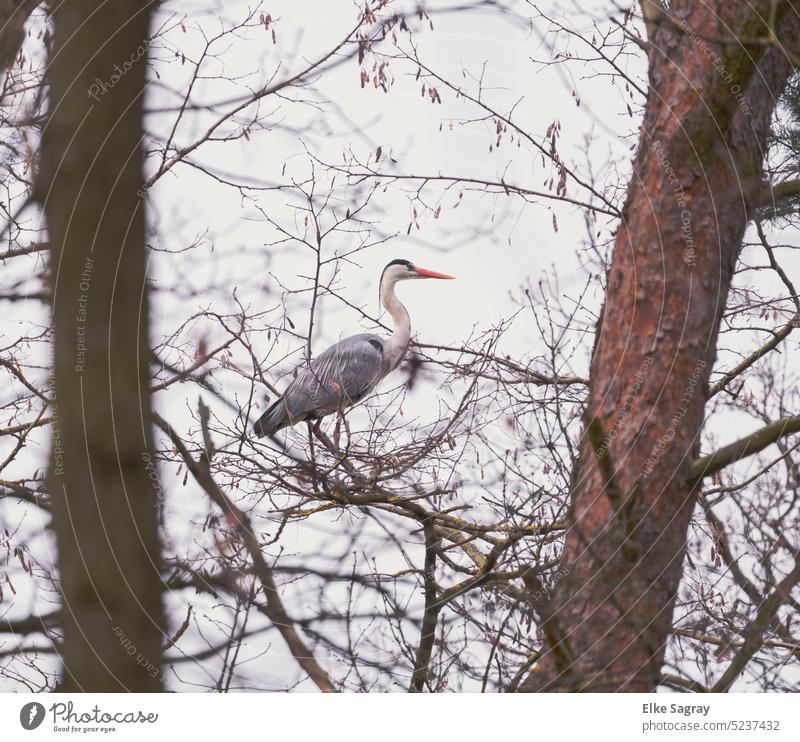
[348, 371]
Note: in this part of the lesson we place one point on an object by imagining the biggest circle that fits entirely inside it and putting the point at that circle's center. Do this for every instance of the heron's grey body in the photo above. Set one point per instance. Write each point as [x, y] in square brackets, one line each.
[348, 371]
[339, 377]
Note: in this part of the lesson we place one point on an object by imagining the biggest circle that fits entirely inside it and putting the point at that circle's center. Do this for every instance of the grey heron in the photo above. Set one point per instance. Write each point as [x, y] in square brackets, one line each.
[348, 371]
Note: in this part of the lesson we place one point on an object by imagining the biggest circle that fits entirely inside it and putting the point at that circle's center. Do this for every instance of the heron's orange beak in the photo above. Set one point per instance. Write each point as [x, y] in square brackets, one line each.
[425, 273]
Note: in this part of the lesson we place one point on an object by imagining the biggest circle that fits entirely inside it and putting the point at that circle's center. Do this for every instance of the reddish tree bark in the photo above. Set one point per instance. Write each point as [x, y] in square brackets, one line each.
[699, 165]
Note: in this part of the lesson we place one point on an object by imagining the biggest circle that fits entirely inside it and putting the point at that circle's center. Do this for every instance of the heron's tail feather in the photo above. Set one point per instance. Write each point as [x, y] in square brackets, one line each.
[272, 420]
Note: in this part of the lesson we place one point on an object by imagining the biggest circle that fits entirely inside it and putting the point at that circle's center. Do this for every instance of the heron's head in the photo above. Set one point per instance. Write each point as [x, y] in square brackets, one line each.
[404, 270]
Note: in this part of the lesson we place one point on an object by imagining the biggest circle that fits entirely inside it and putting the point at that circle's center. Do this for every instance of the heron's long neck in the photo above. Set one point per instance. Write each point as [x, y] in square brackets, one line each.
[398, 342]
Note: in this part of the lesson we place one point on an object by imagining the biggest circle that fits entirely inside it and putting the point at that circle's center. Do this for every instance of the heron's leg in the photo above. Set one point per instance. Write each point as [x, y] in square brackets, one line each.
[346, 429]
[337, 427]
[313, 427]
[313, 432]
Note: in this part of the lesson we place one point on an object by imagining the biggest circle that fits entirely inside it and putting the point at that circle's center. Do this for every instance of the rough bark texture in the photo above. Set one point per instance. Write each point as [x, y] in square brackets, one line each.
[104, 502]
[699, 164]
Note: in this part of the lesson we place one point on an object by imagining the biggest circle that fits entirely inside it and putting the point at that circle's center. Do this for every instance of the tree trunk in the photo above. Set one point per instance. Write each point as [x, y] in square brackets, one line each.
[13, 16]
[104, 502]
[698, 166]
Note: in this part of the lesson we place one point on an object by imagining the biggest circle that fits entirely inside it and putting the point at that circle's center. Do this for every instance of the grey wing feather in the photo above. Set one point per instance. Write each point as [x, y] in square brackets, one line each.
[338, 377]
[342, 374]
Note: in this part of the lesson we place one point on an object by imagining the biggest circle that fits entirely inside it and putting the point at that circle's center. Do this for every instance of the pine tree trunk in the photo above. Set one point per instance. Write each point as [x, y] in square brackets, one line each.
[698, 167]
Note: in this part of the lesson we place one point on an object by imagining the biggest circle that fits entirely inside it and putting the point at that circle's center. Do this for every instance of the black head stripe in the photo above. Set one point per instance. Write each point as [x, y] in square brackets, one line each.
[404, 263]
